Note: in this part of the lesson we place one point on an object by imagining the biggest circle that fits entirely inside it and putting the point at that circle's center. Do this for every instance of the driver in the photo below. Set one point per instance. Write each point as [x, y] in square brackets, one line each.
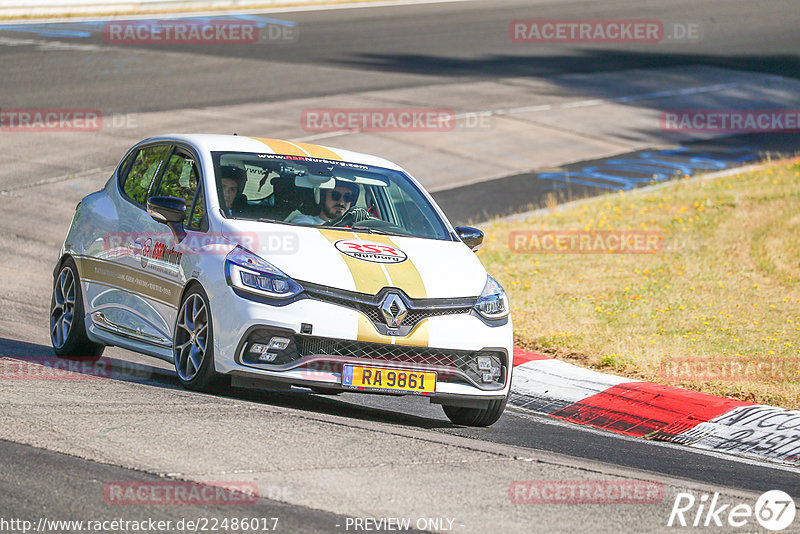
[335, 202]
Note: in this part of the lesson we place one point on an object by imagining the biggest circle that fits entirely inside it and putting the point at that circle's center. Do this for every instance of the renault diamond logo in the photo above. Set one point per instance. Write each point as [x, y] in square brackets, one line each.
[393, 310]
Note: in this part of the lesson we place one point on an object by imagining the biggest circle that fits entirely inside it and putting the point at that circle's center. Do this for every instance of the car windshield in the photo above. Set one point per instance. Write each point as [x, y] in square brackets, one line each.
[308, 191]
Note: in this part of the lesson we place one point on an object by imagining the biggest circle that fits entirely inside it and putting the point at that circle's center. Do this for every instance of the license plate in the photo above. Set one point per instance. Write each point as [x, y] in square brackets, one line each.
[376, 378]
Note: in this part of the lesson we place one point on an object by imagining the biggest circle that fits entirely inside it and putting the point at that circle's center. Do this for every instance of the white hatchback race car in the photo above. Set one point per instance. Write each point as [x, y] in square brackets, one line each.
[276, 264]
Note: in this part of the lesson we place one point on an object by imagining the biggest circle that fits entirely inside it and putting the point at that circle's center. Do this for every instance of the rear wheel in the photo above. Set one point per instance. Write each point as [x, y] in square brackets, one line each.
[193, 343]
[67, 326]
[476, 416]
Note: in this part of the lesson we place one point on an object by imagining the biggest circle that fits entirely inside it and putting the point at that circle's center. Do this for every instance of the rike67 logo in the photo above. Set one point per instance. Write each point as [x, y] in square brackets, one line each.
[774, 510]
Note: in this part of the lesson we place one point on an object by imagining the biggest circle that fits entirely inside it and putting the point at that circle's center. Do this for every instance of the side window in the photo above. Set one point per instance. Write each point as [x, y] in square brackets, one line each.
[180, 180]
[198, 216]
[145, 167]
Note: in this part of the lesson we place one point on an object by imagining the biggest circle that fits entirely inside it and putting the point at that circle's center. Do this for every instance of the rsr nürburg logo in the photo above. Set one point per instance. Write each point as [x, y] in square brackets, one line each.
[370, 251]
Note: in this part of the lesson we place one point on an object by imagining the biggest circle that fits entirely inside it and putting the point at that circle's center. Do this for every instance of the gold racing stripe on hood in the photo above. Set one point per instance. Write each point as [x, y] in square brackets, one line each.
[404, 275]
[372, 277]
[418, 337]
[298, 149]
[368, 277]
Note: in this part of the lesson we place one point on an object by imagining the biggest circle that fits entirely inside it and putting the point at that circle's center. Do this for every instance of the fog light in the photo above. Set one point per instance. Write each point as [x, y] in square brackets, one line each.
[278, 343]
[487, 377]
[267, 357]
[484, 364]
[258, 348]
[495, 371]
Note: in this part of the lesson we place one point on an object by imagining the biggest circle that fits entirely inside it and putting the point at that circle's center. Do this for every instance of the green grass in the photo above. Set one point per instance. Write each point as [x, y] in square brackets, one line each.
[724, 290]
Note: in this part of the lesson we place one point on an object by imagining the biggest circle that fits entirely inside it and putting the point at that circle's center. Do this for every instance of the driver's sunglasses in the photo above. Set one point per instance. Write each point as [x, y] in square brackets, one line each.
[336, 195]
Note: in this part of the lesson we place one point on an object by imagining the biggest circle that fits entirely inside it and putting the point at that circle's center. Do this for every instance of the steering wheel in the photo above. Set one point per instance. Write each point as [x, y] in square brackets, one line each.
[350, 217]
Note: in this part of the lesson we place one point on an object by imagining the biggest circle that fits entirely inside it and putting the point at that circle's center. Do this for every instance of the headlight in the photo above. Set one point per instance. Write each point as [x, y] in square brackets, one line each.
[493, 302]
[253, 274]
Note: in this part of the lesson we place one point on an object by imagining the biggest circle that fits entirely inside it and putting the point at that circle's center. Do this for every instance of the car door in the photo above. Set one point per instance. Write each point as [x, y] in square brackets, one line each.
[120, 300]
[163, 260]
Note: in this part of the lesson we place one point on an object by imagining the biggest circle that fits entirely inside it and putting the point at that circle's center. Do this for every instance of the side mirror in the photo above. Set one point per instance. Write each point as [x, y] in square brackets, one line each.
[170, 211]
[472, 237]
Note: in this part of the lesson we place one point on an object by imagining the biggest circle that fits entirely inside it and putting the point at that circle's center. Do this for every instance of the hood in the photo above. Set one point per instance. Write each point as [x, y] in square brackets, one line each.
[422, 268]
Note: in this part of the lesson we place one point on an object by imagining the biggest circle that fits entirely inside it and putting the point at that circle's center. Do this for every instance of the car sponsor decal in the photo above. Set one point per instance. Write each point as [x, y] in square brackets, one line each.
[361, 249]
[158, 251]
[111, 274]
[298, 149]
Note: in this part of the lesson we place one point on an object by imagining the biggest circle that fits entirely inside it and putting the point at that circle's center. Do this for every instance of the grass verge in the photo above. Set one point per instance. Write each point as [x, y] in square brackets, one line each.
[715, 308]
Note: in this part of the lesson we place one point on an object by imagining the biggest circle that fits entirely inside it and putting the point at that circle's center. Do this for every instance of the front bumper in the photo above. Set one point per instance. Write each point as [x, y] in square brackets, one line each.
[326, 336]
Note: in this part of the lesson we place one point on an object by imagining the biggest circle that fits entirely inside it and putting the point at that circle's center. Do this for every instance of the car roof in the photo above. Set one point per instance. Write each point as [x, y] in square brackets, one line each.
[241, 143]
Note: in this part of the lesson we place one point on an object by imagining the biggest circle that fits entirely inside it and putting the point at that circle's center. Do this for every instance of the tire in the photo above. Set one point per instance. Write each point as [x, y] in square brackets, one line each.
[476, 416]
[67, 319]
[193, 344]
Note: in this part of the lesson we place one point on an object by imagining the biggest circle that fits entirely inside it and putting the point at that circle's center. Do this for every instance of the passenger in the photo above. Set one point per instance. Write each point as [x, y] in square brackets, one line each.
[232, 182]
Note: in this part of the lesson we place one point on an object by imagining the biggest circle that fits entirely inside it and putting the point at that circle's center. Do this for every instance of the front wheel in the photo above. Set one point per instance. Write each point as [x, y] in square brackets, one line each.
[67, 326]
[193, 343]
[476, 416]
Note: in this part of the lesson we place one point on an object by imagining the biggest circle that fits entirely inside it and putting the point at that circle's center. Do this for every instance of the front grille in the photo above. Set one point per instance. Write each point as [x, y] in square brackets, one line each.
[369, 305]
[463, 360]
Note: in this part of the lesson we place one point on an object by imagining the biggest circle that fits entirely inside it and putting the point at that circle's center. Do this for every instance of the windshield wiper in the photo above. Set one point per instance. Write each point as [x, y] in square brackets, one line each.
[373, 230]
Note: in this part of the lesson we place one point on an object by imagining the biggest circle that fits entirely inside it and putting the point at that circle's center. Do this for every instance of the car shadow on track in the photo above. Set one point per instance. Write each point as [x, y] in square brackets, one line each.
[20, 360]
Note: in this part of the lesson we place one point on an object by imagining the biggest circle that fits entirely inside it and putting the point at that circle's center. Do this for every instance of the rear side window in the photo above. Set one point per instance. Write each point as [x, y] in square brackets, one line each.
[198, 215]
[144, 168]
[181, 179]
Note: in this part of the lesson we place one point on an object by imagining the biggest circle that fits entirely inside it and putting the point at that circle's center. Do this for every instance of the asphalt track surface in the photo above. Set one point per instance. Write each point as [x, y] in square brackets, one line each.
[340, 52]
[350, 50]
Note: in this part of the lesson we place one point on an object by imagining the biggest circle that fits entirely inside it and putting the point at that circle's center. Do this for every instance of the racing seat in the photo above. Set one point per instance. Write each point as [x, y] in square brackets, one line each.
[239, 206]
[286, 198]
